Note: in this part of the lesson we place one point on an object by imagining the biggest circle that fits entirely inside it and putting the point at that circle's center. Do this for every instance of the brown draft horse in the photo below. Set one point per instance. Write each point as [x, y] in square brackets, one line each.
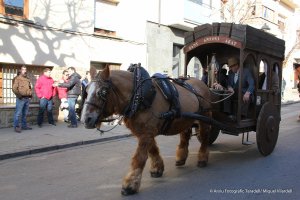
[110, 92]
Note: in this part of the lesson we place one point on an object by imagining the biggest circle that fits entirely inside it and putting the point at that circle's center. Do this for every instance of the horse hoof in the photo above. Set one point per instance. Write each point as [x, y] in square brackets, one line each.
[202, 164]
[180, 162]
[128, 191]
[156, 174]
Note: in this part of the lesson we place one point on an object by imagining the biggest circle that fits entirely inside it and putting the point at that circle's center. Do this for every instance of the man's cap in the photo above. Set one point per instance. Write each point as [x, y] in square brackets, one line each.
[232, 61]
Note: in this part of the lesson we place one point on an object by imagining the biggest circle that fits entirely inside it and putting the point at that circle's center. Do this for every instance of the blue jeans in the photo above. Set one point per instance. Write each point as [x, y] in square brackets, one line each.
[22, 106]
[72, 112]
[45, 104]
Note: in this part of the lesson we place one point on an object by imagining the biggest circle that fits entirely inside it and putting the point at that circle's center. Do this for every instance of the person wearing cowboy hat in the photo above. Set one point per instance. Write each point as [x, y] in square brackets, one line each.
[248, 86]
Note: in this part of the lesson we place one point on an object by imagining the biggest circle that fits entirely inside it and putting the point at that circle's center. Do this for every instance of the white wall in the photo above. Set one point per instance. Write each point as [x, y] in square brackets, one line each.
[102, 50]
[50, 44]
[23, 44]
[201, 14]
[179, 11]
[290, 37]
[75, 15]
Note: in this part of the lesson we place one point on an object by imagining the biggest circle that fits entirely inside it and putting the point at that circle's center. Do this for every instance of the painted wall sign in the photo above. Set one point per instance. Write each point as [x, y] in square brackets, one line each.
[213, 39]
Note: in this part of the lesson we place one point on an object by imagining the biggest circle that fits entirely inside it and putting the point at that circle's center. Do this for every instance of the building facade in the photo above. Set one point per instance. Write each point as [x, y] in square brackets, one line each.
[59, 34]
[277, 17]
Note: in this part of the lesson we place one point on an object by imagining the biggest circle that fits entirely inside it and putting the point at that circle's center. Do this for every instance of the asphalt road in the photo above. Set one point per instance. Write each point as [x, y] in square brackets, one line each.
[95, 171]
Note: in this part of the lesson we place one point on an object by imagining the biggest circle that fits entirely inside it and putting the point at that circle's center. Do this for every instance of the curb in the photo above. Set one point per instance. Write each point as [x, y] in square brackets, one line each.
[59, 147]
[289, 103]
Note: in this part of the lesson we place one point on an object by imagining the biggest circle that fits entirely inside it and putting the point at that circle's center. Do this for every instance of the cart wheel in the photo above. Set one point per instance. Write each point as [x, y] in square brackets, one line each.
[267, 129]
[214, 133]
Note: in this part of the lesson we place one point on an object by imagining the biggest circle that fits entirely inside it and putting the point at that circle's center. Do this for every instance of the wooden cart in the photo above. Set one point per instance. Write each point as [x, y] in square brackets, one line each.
[253, 47]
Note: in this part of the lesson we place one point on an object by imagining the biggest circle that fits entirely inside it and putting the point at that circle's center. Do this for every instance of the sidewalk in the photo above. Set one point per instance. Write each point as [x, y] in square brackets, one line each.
[290, 96]
[50, 137]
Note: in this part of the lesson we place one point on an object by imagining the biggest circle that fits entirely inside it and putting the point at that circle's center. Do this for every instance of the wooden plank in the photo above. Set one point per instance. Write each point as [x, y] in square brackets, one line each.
[264, 42]
[238, 32]
[188, 37]
[216, 28]
[251, 31]
[202, 31]
[265, 47]
[225, 29]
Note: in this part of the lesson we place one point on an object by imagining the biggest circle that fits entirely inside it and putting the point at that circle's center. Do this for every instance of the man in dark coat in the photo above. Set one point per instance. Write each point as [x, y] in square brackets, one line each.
[74, 90]
[248, 84]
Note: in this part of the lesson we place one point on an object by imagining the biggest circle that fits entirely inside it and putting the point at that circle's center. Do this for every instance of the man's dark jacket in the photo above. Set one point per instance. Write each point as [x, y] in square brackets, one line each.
[73, 85]
[248, 83]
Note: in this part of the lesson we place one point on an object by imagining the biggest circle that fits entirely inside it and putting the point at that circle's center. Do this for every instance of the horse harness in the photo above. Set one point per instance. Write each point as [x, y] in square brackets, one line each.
[144, 94]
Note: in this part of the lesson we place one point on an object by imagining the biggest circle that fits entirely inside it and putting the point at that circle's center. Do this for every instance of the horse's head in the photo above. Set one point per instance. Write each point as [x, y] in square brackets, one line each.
[95, 104]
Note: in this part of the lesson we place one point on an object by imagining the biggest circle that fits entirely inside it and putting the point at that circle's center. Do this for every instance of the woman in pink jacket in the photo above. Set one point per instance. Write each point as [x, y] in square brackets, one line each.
[45, 92]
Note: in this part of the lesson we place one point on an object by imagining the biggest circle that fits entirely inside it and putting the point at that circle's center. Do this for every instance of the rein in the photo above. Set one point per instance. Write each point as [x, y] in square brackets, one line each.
[119, 123]
[220, 94]
[226, 96]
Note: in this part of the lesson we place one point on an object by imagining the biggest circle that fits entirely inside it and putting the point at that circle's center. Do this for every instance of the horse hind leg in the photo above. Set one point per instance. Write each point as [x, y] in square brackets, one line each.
[202, 133]
[157, 164]
[131, 182]
[182, 150]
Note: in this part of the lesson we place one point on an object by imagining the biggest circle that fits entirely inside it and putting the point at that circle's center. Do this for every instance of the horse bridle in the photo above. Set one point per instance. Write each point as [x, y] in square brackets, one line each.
[102, 94]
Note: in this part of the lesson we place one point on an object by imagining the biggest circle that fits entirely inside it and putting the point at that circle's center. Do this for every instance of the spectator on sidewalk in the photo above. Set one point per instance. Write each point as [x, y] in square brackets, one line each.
[45, 92]
[74, 90]
[84, 84]
[18, 73]
[62, 95]
[23, 91]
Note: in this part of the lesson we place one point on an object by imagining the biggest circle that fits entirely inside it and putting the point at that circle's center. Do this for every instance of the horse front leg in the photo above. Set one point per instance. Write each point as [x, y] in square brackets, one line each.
[131, 182]
[157, 164]
[182, 150]
[202, 133]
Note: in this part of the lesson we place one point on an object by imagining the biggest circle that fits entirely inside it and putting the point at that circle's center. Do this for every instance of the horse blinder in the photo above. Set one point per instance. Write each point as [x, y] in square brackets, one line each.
[103, 92]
